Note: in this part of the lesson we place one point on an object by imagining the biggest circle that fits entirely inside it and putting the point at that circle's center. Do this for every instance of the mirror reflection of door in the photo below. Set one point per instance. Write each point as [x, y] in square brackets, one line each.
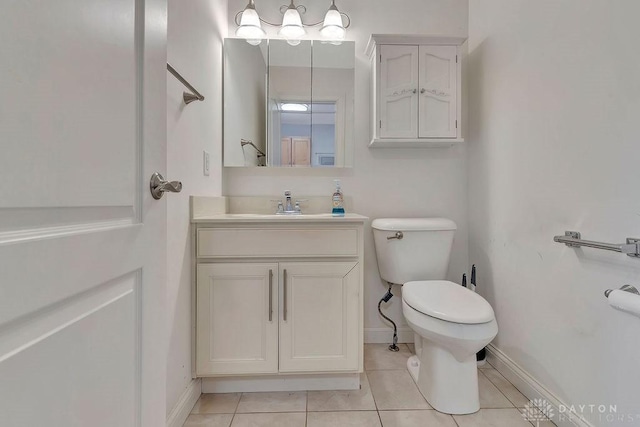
[296, 151]
[308, 133]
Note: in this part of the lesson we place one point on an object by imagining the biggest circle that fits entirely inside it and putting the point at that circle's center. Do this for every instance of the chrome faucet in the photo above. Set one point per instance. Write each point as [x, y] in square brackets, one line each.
[288, 208]
[287, 205]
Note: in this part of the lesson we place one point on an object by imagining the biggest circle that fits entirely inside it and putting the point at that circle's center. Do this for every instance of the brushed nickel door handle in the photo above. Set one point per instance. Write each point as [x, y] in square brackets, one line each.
[159, 186]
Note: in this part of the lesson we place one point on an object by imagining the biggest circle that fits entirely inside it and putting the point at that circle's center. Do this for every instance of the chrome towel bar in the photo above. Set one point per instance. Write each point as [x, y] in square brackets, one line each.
[186, 96]
[573, 239]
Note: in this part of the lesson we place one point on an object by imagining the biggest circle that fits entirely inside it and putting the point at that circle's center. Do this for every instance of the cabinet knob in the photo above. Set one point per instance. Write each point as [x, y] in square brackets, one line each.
[423, 90]
[415, 91]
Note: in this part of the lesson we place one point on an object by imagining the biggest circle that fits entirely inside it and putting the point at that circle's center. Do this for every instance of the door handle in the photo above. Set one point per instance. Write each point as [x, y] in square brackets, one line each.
[284, 296]
[159, 186]
[270, 295]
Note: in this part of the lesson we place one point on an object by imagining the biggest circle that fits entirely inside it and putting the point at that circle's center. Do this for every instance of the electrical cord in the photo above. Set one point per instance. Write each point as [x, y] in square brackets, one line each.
[386, 298]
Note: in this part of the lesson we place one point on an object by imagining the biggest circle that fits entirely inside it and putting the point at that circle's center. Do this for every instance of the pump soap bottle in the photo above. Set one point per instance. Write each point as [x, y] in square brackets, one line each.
[338, 201]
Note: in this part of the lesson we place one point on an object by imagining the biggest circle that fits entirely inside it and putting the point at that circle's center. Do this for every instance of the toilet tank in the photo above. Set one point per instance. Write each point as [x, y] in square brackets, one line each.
[422, 253]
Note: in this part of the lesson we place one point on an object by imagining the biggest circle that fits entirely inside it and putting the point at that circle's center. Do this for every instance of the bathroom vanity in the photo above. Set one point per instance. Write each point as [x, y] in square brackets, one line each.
[278, 300]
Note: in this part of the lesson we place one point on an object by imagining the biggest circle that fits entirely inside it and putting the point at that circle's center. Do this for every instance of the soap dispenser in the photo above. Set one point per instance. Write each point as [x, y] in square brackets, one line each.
[338, 200]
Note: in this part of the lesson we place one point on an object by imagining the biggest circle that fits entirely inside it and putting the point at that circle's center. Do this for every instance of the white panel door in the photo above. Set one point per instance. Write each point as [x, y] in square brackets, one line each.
[300, 151]
[438, 92]
[398, 91]
[237, 319]
[82, 242]
[319, 319]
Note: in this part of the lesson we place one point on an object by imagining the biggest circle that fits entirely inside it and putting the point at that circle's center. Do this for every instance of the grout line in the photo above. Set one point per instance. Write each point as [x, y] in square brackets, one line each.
[379, 417]
[496, 385]
[238, 404]
[498, 388]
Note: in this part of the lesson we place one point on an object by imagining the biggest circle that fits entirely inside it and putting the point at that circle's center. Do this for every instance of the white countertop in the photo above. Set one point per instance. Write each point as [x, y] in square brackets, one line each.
[272, 218]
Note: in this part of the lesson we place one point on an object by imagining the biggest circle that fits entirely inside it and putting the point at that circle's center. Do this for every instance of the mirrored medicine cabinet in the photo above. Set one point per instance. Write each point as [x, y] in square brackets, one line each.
[288, 106]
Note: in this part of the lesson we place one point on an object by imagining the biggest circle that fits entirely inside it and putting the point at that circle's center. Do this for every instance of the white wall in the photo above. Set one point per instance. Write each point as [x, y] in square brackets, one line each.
[554, 107]
[195, 33]
[383, 183]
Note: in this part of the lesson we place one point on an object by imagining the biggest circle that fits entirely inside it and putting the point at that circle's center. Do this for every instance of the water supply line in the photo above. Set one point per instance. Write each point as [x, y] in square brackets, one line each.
[386, 298]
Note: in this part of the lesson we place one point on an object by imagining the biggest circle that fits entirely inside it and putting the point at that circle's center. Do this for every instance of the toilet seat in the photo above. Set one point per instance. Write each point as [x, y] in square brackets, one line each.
[447, 301]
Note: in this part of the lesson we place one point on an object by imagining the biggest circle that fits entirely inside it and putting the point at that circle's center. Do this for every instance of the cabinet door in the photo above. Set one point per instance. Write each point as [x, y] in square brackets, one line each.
[320, 316]
[438, 92]
[237, 319]
[300, 152]
[285, 152]
[295, 151]
[398, 89]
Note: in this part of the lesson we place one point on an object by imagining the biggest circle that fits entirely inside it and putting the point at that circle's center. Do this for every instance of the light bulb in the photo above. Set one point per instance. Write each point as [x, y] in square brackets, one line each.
[250, 27]
[292, 28]
[332, 29]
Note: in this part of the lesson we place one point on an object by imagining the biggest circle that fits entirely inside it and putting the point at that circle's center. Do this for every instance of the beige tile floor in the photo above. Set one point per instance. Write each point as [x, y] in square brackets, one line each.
[388, 397]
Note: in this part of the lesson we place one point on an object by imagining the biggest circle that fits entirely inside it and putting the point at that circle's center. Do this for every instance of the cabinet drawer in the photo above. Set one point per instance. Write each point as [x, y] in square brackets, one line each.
[287, 242]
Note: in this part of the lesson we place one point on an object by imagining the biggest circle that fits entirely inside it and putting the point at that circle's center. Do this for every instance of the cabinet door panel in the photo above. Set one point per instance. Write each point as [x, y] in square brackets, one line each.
[301, 152]
[398, 91]
[319, 331]
[438, 92]
[234, 333]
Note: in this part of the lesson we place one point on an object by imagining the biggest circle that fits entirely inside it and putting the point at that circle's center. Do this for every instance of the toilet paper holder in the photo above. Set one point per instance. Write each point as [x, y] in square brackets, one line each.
[626, 288]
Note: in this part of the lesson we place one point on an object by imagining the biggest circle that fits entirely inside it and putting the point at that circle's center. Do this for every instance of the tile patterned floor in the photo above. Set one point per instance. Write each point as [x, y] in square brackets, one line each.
[388, 397]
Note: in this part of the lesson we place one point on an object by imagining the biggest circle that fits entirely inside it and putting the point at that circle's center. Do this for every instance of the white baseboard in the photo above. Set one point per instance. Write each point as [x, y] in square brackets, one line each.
[281, 383]
[385, 335]
[531, 388]
[183, 407]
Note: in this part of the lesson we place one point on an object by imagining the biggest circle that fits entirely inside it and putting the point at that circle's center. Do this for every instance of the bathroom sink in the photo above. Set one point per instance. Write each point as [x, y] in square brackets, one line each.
[255, 217]
[278, 216]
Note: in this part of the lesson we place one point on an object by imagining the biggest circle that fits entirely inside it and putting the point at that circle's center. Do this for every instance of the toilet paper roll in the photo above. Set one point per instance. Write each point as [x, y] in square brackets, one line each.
[625, 301]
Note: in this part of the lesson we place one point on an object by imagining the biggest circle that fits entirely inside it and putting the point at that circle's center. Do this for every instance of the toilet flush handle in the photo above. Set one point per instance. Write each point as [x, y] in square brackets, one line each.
[398, 236]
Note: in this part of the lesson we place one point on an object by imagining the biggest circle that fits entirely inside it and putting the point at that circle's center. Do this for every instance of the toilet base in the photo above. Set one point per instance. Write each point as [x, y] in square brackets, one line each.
[449, 385]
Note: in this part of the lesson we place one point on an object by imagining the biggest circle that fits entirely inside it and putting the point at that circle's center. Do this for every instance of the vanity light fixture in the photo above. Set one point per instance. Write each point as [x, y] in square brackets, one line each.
[292, 28]
[249, 27]
[332, 26]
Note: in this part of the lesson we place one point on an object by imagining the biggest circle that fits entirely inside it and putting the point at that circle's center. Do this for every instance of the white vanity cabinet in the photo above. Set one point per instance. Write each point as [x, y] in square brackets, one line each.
[278, 296]
[237, 318]
[319, 326]
[416, 90]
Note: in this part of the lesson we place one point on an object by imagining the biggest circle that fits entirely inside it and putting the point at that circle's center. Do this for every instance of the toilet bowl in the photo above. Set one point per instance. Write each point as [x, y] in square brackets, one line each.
[450, 322]
[451, 325]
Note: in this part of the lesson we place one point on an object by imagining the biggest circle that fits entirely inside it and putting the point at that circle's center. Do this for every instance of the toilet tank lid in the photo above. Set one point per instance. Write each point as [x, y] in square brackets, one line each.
[413, 224]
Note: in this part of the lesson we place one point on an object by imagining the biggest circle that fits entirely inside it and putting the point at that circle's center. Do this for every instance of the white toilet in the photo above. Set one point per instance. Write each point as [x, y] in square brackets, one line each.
[451, 323]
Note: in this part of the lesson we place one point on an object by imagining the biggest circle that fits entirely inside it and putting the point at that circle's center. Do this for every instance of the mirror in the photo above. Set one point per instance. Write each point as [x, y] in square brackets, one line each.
[288, 106]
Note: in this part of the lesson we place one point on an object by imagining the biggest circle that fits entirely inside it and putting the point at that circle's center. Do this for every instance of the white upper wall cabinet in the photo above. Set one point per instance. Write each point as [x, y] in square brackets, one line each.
[398, 91]
[416, 91]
